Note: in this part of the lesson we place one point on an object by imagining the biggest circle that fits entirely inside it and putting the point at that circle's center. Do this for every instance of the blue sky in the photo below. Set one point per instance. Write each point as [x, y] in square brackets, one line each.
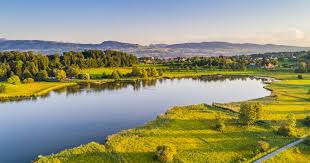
[157, 21]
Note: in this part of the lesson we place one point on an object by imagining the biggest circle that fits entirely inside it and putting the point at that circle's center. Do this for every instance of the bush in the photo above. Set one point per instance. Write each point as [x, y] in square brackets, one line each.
[105, 75]
[299, 77]
[165, 153]
[28, 80]
[263, 146]
[84, 76]
[2, 88]
[14, 80]
[220, 124]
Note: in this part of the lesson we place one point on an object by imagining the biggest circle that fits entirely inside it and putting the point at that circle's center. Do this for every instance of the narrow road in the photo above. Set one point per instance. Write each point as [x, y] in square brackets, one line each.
[266, 157]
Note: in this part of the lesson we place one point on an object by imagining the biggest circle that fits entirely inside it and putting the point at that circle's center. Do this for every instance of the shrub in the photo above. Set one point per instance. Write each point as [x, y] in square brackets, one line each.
[165, 153]
[28, 80]
[220, 124]
[14, 80]
[105, 75]
[299, 76]
[2, 88]
[263, 146]
[84, 76]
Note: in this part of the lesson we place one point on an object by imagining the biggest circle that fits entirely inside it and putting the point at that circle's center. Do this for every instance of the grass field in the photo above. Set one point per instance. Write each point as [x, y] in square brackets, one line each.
[299, 153]
[191, 130]
[32, 89]
[96, 73]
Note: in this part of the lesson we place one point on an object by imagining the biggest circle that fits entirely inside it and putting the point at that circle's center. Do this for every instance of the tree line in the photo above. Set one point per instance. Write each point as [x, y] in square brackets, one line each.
[39, 67]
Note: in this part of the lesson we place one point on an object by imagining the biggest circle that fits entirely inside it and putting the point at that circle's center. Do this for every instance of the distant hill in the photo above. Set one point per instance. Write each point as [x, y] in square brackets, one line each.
[159, 50]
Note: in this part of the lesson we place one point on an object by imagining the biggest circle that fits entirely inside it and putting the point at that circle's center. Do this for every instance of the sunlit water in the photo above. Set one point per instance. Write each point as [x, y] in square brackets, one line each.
[74, 116]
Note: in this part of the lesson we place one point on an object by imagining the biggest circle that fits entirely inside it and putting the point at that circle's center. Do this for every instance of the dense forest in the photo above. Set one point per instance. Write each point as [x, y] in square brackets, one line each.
[40, 67]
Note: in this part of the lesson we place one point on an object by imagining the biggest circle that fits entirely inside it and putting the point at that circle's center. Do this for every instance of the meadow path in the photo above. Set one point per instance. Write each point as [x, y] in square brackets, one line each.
[266, 157]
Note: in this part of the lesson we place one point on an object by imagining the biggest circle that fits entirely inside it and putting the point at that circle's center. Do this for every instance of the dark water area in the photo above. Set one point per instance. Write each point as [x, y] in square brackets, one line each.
[89, 112]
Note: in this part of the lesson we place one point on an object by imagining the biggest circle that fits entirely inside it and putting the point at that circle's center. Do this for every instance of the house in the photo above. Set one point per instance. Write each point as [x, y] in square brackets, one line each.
[269, 66]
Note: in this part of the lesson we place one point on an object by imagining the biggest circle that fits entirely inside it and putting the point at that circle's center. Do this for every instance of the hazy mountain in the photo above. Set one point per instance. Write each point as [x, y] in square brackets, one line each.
[159, 50]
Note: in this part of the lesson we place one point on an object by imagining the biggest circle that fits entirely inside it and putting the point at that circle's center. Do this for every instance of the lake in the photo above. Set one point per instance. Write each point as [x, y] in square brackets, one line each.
[89, 112]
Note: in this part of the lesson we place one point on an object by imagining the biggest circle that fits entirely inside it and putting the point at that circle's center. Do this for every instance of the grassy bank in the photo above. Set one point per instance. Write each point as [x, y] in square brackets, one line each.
[30, 90]
[300, 154]
[191, 130]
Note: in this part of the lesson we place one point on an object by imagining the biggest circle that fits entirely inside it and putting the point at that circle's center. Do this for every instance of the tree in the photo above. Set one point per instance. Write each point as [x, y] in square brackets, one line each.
[42, 75]
[250, 113]
[144, 73]
[160, 72]
[299, 76]
[116, 74]
[220, 122]
[165, 153]
[27, 74]
[288, 129]
[60, 74]
[302, 67]
[2, 88]
[84, 76]
[14, 80]
[136, 71]
[154, 72]
[73, 71]
[148, 70]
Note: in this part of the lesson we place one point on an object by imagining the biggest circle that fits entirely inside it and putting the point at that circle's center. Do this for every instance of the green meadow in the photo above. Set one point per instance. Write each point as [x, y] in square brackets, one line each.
[191, 129]
[30, 89]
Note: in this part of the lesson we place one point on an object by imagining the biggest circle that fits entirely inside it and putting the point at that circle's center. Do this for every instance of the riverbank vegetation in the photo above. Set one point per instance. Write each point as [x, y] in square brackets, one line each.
[28, 90]
[193, 131]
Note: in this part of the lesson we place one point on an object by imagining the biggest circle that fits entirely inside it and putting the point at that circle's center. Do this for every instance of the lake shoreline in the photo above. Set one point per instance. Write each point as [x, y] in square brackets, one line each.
[42, 92]
[108, 138]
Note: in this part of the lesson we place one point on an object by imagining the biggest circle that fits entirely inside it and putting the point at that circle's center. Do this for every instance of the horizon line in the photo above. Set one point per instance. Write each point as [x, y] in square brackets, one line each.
[72, 42]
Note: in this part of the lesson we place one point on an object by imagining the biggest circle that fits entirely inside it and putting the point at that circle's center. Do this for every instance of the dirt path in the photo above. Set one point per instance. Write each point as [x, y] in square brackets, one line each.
[266, 157]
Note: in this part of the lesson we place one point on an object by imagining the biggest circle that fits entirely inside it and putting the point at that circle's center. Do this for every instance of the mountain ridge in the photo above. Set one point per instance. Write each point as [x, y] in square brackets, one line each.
[212, 48]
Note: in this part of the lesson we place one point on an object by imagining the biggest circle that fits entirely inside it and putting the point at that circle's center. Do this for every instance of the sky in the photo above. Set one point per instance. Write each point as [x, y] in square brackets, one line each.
[157, 21]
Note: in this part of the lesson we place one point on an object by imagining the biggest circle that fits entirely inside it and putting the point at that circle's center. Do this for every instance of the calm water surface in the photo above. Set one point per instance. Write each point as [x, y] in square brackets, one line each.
[77, 115]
